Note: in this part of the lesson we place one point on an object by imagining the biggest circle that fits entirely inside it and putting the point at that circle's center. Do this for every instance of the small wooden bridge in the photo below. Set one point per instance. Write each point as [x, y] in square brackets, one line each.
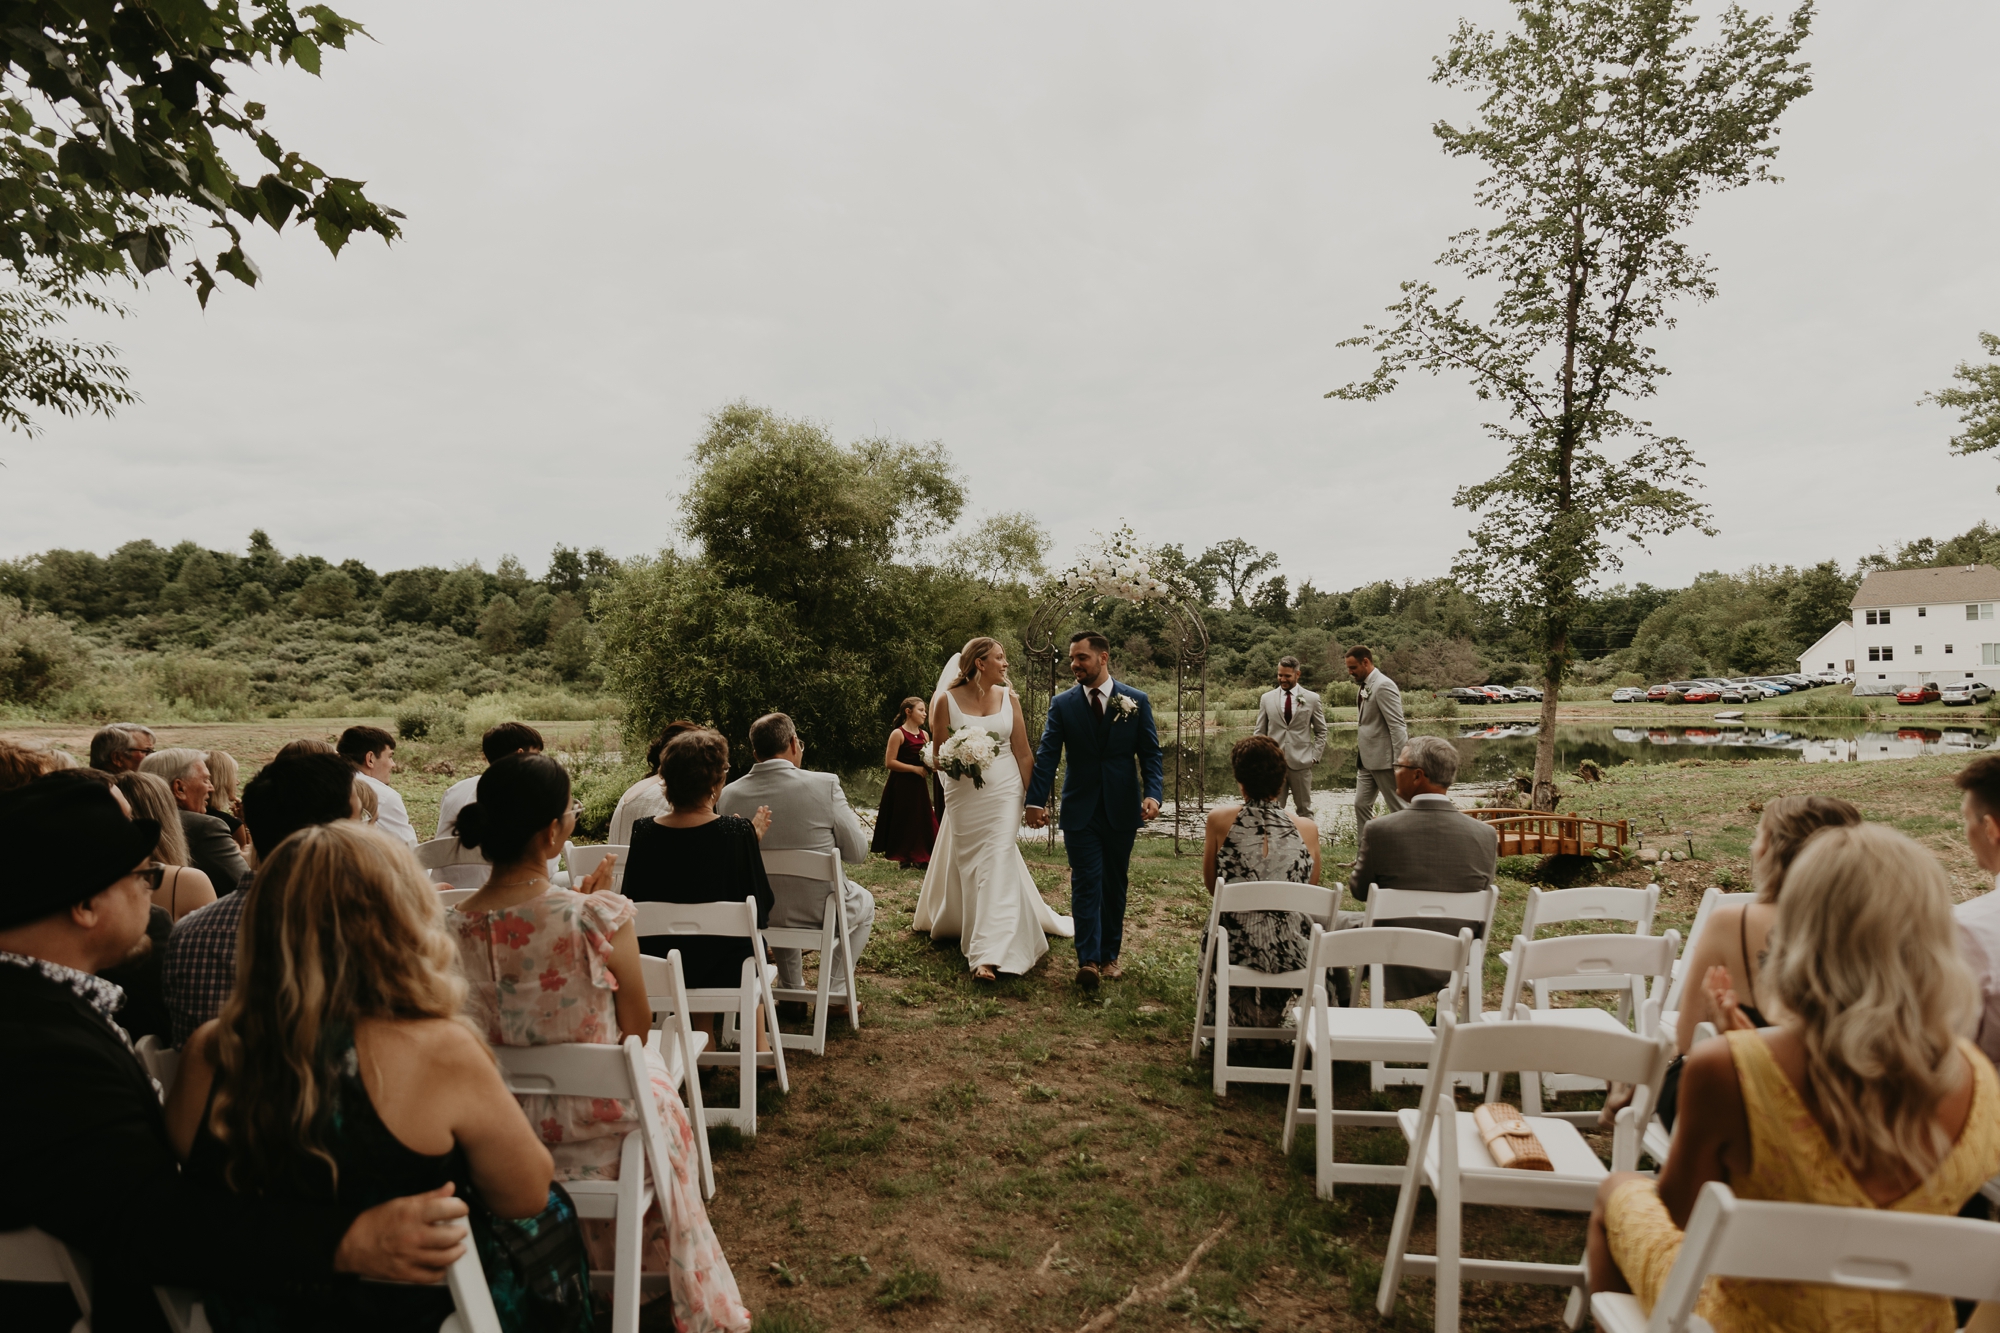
[1539, 833]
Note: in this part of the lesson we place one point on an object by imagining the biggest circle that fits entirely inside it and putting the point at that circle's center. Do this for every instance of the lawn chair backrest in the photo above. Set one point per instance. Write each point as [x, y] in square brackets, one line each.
[1608, 956]
[573, 1069]
[583, 861]
[447, 851]
[1401, 904]
[1492, 1047]
[1593, 903]
[1394, 946]
[1316, 903]
[820, 864]
[1710, 900]
[723, 918]
[453, 897]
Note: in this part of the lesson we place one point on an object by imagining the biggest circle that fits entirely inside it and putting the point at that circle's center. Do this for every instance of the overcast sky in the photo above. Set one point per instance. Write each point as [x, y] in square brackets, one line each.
[1104, 253]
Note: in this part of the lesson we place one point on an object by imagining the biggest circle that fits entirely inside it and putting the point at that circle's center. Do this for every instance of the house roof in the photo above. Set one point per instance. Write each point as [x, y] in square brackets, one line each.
[1918, 587]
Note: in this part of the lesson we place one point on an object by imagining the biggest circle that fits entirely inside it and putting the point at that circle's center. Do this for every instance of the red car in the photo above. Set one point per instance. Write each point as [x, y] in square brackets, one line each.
[1702, 694]
[1917, 694]
[1660, 694]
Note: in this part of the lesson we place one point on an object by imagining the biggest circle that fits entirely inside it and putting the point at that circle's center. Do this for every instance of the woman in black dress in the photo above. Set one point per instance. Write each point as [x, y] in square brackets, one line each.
[905, 823]
[693, 855]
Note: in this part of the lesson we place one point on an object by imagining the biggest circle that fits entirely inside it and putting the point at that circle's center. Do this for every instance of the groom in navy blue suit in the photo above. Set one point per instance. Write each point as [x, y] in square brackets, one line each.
[1108, 728]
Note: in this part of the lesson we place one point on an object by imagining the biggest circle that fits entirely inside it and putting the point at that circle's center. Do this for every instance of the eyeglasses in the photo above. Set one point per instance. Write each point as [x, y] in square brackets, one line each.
[152, 874]
[1410, 766]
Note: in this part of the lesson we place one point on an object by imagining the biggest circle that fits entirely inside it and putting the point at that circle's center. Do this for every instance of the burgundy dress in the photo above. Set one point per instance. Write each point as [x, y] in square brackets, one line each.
[905, 825]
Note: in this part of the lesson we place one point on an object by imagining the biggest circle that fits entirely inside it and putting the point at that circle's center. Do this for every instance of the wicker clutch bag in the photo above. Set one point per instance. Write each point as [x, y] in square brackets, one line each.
[1508, 1138]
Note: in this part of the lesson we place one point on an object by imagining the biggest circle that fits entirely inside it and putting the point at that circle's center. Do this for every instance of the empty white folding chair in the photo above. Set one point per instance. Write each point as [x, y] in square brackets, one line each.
[1670, 1006]
[162, 1062]
[1329, 1034]
[1869, 1249]
[1597, 905]
[1625, 959]
[450, 863]
[1316, 904]
[1472, 909]
[33, 1255]
[680, 1046]
[1449, 1158]
[582, 862]
[823, 867]
[740, 1006]
[644, 1168]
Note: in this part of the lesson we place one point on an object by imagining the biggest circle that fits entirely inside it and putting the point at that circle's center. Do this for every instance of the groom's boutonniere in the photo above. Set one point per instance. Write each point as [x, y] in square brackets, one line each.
[1364, 697]
[1122, 707]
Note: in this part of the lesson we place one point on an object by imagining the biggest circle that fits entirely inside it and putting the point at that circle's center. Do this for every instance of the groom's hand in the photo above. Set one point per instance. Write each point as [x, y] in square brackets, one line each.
[1149, 809]
[1036, 816]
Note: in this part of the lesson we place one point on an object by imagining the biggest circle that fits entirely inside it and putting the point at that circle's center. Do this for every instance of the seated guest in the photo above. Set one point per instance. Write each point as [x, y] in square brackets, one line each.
[372, 751]
[182, 888]
[226, 802]
[806, 811]
[646, 798]
[694, 855]
[120, 747]
[342, 1073]
[549, 965]
[1430, 845]
[306, 745]
[498, 742]
[1979, 918]
[90, 1161]
[20, 764]
[298, 789]
[1864, 1096]
[210, 848]
[1252, 842]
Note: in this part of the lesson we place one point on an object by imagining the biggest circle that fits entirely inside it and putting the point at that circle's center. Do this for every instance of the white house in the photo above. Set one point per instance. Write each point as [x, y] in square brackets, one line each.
[1833, 652]
[1916, 625]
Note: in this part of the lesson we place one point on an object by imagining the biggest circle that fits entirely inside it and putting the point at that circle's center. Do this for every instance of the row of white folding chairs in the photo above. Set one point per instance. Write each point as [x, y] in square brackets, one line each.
[34, 1256]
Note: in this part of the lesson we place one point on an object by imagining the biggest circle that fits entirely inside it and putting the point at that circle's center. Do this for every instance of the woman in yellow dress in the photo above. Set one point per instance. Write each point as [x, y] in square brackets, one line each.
[1864, 1096]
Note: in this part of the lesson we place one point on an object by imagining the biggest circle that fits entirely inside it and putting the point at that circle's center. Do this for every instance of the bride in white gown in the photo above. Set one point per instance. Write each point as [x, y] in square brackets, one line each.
[977, 887]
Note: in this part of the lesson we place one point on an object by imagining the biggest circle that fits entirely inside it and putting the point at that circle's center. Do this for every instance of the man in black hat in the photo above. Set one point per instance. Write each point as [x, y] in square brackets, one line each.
[80, 1120]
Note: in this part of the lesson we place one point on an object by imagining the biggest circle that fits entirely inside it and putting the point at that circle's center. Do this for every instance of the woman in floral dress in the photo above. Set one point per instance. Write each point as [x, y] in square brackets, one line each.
[548, 966]
[1260, 841]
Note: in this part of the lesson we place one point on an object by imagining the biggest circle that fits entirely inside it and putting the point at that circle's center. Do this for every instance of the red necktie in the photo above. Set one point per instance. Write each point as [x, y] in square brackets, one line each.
[1097, 703]
[1288, 705]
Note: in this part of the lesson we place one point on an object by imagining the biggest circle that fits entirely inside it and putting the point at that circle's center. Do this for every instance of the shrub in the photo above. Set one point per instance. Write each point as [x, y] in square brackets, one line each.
[428, 719]
[203, 682]
[39, 655]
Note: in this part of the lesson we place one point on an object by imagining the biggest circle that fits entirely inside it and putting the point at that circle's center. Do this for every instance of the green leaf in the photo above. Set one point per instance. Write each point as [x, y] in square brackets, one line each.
[306, 51]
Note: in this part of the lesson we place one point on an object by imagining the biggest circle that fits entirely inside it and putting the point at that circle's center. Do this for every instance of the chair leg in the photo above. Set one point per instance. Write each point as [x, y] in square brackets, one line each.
[1204, 973]
[1450, 1218]
[1298, 1069]
[1399, 1229]
[697, 1113]
[1323, 1103]
[629, 1237]
[746, 1062]
[1221, 1012]
[847, 964]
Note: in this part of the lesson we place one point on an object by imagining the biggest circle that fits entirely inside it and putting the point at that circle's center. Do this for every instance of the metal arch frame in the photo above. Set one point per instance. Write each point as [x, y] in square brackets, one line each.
[1190, 639]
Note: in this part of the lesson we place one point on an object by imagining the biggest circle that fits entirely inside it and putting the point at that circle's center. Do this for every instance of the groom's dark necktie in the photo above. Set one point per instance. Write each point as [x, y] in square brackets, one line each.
[1288, 706]
[1097, 703]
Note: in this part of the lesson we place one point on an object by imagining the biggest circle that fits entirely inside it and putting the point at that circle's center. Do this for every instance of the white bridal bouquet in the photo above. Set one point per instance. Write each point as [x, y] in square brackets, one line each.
[967, 754]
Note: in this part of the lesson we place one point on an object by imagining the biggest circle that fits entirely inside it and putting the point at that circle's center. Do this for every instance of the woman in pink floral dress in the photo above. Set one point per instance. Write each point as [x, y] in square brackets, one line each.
[548, 966]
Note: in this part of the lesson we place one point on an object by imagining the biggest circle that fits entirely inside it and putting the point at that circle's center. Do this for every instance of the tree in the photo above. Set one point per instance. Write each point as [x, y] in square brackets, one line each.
[40, 370]
[1602, 125]
[1002, 548]
[1818, 602]
[500, 626]
[325, 596]
[1978, 403]
[1236, 564]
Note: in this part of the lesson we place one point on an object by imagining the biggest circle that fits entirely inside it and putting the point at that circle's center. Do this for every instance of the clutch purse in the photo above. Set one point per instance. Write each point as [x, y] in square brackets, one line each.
[1512, 1144]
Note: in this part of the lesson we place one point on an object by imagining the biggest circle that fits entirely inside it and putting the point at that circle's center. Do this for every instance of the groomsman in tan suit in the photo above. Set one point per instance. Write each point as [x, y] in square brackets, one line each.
[1293, 716]
[1379, 737]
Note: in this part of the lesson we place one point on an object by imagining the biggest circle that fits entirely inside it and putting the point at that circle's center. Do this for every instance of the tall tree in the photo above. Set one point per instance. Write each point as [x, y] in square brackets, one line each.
[1236, 563]
[1978, 401]
[1602, 124]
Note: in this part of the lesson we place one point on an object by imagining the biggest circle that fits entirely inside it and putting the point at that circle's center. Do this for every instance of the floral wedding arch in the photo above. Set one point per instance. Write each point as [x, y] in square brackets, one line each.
[1120, 567]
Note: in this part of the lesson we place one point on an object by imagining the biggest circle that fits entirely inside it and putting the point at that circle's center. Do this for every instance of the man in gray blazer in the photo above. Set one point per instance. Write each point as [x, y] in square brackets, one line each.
[1293, 716]
[1379, 738]
[809, 812]
[211, 849]
[1430, 846]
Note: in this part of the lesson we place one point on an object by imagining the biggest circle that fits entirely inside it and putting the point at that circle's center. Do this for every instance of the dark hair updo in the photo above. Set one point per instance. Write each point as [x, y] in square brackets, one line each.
[1260, 766]
[518, 797]
[692, 766]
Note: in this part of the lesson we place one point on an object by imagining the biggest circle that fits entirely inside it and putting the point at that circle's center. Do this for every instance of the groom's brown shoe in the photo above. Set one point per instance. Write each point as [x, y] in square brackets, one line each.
[1087, 976]
[1111, 971]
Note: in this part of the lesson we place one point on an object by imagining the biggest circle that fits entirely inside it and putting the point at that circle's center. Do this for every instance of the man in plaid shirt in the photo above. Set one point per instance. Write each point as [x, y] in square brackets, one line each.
[293, 791]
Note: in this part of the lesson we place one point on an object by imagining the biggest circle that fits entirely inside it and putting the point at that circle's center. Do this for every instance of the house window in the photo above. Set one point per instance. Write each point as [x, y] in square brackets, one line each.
[1877, 617]
[1886, 654]
[1921, 610]
[1917, 651]
[1947, 650]
[1979, 610]
[1989, 654]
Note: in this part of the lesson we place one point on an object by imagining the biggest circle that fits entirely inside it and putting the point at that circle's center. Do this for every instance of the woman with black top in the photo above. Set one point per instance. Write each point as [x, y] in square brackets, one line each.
[693, 855]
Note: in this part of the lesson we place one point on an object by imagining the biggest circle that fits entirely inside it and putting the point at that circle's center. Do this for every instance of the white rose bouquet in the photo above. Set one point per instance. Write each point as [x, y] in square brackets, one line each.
[967, 754]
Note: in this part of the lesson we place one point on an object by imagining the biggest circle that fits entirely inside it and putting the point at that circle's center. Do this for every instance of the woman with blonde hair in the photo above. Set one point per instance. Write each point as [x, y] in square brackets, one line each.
[1864, 1095]
[181, 888]
[226, 801]
[343, 1070]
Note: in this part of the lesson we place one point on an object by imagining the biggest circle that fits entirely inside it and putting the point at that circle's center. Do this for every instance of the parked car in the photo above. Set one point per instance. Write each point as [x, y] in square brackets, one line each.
[1499, 694]
[1527, 694]
[1926, 693]
[1701, 693]
[1799, 681]
[1777, 683]
[1742, 694]
[1662, 694]
[1868, 688]
[1959, 694]
[1466, 695]
[1628, 694]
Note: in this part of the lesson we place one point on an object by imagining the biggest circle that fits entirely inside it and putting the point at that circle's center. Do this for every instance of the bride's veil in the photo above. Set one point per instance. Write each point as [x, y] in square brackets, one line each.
[944, 684]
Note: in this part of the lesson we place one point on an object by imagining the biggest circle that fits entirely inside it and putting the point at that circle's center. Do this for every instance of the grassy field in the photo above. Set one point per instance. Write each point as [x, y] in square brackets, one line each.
[1025, 1156]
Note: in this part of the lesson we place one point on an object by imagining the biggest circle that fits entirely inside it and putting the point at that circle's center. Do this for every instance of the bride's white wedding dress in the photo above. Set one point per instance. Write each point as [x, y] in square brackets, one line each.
[977, 887]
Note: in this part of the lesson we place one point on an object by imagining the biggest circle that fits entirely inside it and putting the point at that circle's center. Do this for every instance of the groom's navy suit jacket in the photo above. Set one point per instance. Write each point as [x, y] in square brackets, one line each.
[1102, 755]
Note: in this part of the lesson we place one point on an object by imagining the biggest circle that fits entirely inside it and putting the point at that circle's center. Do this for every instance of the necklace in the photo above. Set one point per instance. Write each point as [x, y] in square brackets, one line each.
[515, 884]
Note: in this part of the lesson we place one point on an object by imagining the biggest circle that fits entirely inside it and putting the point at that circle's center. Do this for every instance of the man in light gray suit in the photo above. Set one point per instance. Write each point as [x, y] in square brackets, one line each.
[1430, 846]
[809, 812]
[1293, 716]
[1379, 739]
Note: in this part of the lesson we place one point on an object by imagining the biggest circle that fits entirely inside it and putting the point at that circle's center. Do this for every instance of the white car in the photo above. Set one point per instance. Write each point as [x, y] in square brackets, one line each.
[1628, 694]
[1964, 693]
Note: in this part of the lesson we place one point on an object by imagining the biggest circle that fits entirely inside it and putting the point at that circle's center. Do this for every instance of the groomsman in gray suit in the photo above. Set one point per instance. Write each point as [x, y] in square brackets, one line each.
[1293, 716]
[809, 812]
[1379, 740]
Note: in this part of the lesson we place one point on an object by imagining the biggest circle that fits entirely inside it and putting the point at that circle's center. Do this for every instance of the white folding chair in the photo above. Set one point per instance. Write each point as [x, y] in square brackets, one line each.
[471, 1294]
[1670, 1007]
[1658, 1138]
[824, 867]
[582, 862]
[739, 1006]
[1625, 960]
[1870, 1249]
[453, 897]
[679, 1045]
[1595, 904]
[1474, 910]
[33, 1255]
[1449, 1158]
[162, 1062]
[447, 862]
[586, 1070]
[1316, 904]
[1329, 1034]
